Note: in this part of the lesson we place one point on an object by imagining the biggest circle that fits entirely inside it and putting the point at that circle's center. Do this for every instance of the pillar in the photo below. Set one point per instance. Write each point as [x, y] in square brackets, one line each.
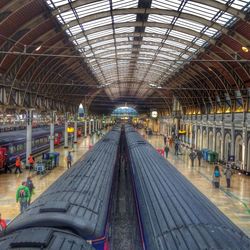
[214, 139]
[52, 131]
[29, 118]
[75, 130]
[232, 140]
[201, 137]
[66, 139]
[195, 136]
[244, 148]
[222, 142]
[85, 128]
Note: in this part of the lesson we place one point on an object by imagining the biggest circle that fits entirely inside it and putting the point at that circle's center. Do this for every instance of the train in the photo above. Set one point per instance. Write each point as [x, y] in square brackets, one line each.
[79, 201]
[13, 143]
[172, 212]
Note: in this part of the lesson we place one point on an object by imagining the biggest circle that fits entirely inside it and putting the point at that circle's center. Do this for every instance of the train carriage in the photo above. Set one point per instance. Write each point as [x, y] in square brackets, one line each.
[173, 213]
[79, 201]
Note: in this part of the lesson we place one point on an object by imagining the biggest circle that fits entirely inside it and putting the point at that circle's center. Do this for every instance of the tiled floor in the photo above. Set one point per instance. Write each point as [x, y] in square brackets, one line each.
[9, 182]
[233, 202]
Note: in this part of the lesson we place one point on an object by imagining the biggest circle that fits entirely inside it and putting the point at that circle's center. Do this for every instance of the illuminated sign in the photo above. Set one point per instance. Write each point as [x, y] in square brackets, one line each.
[70, 130]
[154, 114]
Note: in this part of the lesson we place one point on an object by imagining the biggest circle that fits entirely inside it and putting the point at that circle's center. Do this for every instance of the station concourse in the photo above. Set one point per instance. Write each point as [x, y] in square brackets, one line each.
[177, 71]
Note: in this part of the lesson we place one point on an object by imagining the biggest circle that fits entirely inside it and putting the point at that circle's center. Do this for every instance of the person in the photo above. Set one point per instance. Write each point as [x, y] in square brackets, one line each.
[216, 176]
[166, 149]
[23, 196]
[228, 173]
[69, 160]
[199, 156]
[6, 164]
[176, 147]
[18, 165]
[31, 161]
[3, 223]
[165, 139]
[30, 185]
[192, 156]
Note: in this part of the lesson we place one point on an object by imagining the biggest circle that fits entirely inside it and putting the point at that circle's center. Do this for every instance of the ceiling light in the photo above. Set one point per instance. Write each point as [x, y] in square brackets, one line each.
[38, 48]
[245, 49]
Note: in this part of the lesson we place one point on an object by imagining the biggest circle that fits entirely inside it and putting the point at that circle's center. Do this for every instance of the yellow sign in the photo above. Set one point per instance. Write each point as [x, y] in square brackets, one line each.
[70, 130]
[182, 132]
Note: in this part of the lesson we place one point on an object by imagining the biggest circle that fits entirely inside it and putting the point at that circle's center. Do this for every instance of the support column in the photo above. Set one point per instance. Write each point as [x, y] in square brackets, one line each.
[201, 137]
[29, 119]
[207, 139]
[195, 135]
[232, 140]
[66, 139]
[75, 130]
[244, 148]
[214, 140]
[52, 131]
[85, 128]
[222, 142]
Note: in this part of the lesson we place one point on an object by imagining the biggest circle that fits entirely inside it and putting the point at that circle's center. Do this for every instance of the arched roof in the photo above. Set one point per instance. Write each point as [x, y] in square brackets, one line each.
[145, 50]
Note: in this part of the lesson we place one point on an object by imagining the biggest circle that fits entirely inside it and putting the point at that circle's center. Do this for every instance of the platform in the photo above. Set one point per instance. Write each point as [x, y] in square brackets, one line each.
[234, 202]
[10, 182]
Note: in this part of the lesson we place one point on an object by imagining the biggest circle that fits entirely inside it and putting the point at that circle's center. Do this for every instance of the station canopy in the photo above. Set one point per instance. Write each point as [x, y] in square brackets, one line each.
[135, 46]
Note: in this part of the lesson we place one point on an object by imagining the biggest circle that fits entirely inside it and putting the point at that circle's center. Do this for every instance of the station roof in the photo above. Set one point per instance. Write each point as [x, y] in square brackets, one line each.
[142, 52]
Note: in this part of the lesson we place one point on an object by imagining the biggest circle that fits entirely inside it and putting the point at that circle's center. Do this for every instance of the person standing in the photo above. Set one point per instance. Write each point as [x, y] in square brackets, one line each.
[216, 176]
[69, 160]
[31, 162]
[30, 185]
[3, 224]
[23, 196]
[199, 156]
[192, 157]
[18, 165]
[176, 148]
[166, 149]
[165, 139]
[228, 173]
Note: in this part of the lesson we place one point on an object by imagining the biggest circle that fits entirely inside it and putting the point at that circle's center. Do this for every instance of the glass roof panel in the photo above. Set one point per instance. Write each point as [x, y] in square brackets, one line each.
[144, 53]
[125, 18]
[93, 8]
[97, 23]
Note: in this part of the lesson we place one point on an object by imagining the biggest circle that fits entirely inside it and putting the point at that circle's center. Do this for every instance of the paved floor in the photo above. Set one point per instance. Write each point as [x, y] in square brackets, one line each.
[9, 182]
[233, 202]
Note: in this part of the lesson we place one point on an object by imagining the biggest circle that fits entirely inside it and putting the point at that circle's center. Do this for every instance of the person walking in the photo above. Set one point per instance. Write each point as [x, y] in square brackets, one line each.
[69, 160]
[18, 165]
[199, 157]
[216, 176]
[166, 149]
[30, 185]
[176, 148]
[3, 224]
[228, 173]
[192, 157]
[165, 139]
[23, 196]
[31, 161]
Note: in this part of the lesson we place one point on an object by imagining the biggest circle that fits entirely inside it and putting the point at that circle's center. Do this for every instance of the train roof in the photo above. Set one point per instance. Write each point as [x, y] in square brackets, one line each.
[43, 238]
[79, 199]
[20, 135]
[174, 214]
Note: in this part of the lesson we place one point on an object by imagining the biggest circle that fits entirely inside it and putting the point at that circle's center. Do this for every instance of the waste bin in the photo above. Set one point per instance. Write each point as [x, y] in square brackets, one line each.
[212, 157]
